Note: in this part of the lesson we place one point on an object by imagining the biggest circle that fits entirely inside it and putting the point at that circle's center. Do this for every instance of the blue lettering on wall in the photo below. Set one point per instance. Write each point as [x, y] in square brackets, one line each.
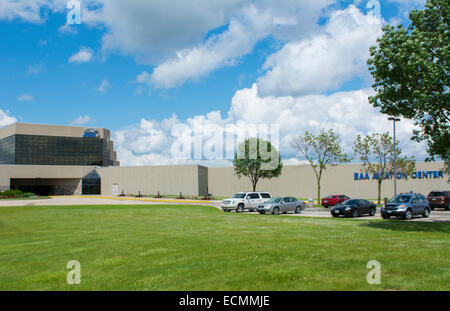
[401, 175]
[90, 133]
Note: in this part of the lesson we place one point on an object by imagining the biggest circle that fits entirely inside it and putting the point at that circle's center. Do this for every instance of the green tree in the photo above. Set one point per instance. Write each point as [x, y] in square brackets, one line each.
[411, 72]
[447, 169]
[257, 159]
[320, 151]
[376, 152]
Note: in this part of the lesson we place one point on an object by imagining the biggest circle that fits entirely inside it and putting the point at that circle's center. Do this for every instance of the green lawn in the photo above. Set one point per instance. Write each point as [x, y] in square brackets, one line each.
[202, 248]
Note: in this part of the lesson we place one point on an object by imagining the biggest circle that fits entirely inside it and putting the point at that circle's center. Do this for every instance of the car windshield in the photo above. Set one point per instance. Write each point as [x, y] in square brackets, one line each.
[239, 196]
[400, 199]
[274, 200]
[329, 197]
[350, 202]
[436, 194]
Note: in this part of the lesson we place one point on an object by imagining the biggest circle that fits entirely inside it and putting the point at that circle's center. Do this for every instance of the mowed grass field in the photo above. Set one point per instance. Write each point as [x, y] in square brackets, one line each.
[202, 248]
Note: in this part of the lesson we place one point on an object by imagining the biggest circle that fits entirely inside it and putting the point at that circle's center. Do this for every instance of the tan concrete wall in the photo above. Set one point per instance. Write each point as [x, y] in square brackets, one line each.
[297, 181]
[151, 179]
[43, 172]
[300, 181]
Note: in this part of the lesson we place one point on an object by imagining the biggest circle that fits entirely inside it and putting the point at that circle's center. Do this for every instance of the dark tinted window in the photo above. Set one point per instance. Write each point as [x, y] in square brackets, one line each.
[402, 198]
[239, 196]
[55, 150]
[436, 194]
[7, 150]
[253, 196]
[265, 195]
[91, 183]
[351, 202]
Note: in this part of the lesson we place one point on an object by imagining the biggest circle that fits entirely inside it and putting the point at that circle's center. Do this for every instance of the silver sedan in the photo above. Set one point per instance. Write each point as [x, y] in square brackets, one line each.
[278, 205]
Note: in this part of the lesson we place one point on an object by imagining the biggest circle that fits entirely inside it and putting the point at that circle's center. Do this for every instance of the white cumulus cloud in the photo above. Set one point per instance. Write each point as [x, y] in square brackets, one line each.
[25, 98]
[104, 86]
[82, 120]
[6, 119]
[323, 62]
[348, 113]
[83, 56]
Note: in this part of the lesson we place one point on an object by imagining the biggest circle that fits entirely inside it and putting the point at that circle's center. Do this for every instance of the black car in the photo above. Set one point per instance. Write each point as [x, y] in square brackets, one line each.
[354, 208]
[439, 199]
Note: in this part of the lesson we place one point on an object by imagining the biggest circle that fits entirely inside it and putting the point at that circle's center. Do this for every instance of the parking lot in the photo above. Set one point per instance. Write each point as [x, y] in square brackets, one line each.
[438, 215]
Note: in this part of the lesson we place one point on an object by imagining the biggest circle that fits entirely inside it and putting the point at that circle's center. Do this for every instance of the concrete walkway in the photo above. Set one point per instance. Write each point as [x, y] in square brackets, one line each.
[101, 200]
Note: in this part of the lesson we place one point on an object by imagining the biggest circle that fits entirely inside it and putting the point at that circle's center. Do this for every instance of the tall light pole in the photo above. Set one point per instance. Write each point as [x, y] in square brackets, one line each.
[395, 155]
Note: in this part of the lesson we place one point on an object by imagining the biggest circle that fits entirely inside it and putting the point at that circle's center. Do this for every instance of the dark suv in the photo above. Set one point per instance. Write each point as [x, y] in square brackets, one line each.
[439, 199]
[406, 205]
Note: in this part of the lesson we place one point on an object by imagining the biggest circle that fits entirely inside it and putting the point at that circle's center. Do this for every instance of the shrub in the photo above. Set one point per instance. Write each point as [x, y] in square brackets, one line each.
[12, 193]
[28, 194]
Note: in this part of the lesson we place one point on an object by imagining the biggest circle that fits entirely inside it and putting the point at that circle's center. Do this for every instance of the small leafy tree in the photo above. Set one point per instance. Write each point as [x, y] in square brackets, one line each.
[320, 151]
[257, 159]
[376, 152]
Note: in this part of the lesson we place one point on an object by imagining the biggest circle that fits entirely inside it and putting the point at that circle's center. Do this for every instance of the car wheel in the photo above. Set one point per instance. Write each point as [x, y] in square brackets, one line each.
[373, 211]
[335, 215]
[276, 211]
[240, 208]
[355, 213]
[448, 207]
[408, 215]
[262, 213]
[433, 208]
[298, 210]
[385, 216]
[426, 213]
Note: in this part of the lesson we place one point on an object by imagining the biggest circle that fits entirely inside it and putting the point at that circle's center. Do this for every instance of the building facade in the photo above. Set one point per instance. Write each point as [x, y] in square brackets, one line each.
[68, 171]
[33, 144]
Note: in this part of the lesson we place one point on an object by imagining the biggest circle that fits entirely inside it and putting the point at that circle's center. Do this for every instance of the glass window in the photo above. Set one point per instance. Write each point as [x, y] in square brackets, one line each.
[55, 150]
[91, 183]
[253, 196]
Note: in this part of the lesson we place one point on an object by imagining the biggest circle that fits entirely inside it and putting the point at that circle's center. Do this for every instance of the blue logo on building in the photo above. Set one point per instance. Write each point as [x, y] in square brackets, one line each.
[91, 133]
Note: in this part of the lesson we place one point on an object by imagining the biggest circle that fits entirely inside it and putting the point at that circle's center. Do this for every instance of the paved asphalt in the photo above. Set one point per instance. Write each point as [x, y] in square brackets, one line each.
[438, 215]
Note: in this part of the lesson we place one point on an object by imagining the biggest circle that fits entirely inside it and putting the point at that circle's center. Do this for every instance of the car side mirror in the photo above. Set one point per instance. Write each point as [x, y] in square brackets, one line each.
[414, 201]
[282, 202]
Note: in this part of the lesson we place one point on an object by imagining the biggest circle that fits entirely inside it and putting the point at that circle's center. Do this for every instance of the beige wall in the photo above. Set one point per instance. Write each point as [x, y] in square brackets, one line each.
[300, 181]
[63, 176]
[48, 130]
[295, 180]
[151, 179]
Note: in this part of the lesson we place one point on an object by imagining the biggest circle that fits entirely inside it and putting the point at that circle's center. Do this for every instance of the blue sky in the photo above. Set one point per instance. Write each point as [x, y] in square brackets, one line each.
[130, 66]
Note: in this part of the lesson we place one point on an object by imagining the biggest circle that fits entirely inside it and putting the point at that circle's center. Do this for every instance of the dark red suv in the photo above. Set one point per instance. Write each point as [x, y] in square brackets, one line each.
[439, 199]
[333, 200]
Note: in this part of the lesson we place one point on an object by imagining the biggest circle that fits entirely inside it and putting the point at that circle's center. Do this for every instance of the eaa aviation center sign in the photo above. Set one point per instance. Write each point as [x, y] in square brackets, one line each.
[400, 175]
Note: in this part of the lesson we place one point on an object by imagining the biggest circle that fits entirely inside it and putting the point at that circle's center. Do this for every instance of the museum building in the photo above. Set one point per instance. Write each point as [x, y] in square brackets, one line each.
[68, 160]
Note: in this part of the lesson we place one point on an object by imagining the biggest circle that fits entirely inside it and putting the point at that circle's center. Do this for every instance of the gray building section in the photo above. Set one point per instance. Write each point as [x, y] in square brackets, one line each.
[34, 144]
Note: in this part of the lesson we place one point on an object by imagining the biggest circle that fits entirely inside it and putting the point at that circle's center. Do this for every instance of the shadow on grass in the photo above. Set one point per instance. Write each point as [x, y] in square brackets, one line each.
[409, 226]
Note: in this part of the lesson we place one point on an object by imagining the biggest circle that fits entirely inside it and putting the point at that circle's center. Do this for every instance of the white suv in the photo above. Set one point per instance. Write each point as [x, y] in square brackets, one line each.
[245, 201]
